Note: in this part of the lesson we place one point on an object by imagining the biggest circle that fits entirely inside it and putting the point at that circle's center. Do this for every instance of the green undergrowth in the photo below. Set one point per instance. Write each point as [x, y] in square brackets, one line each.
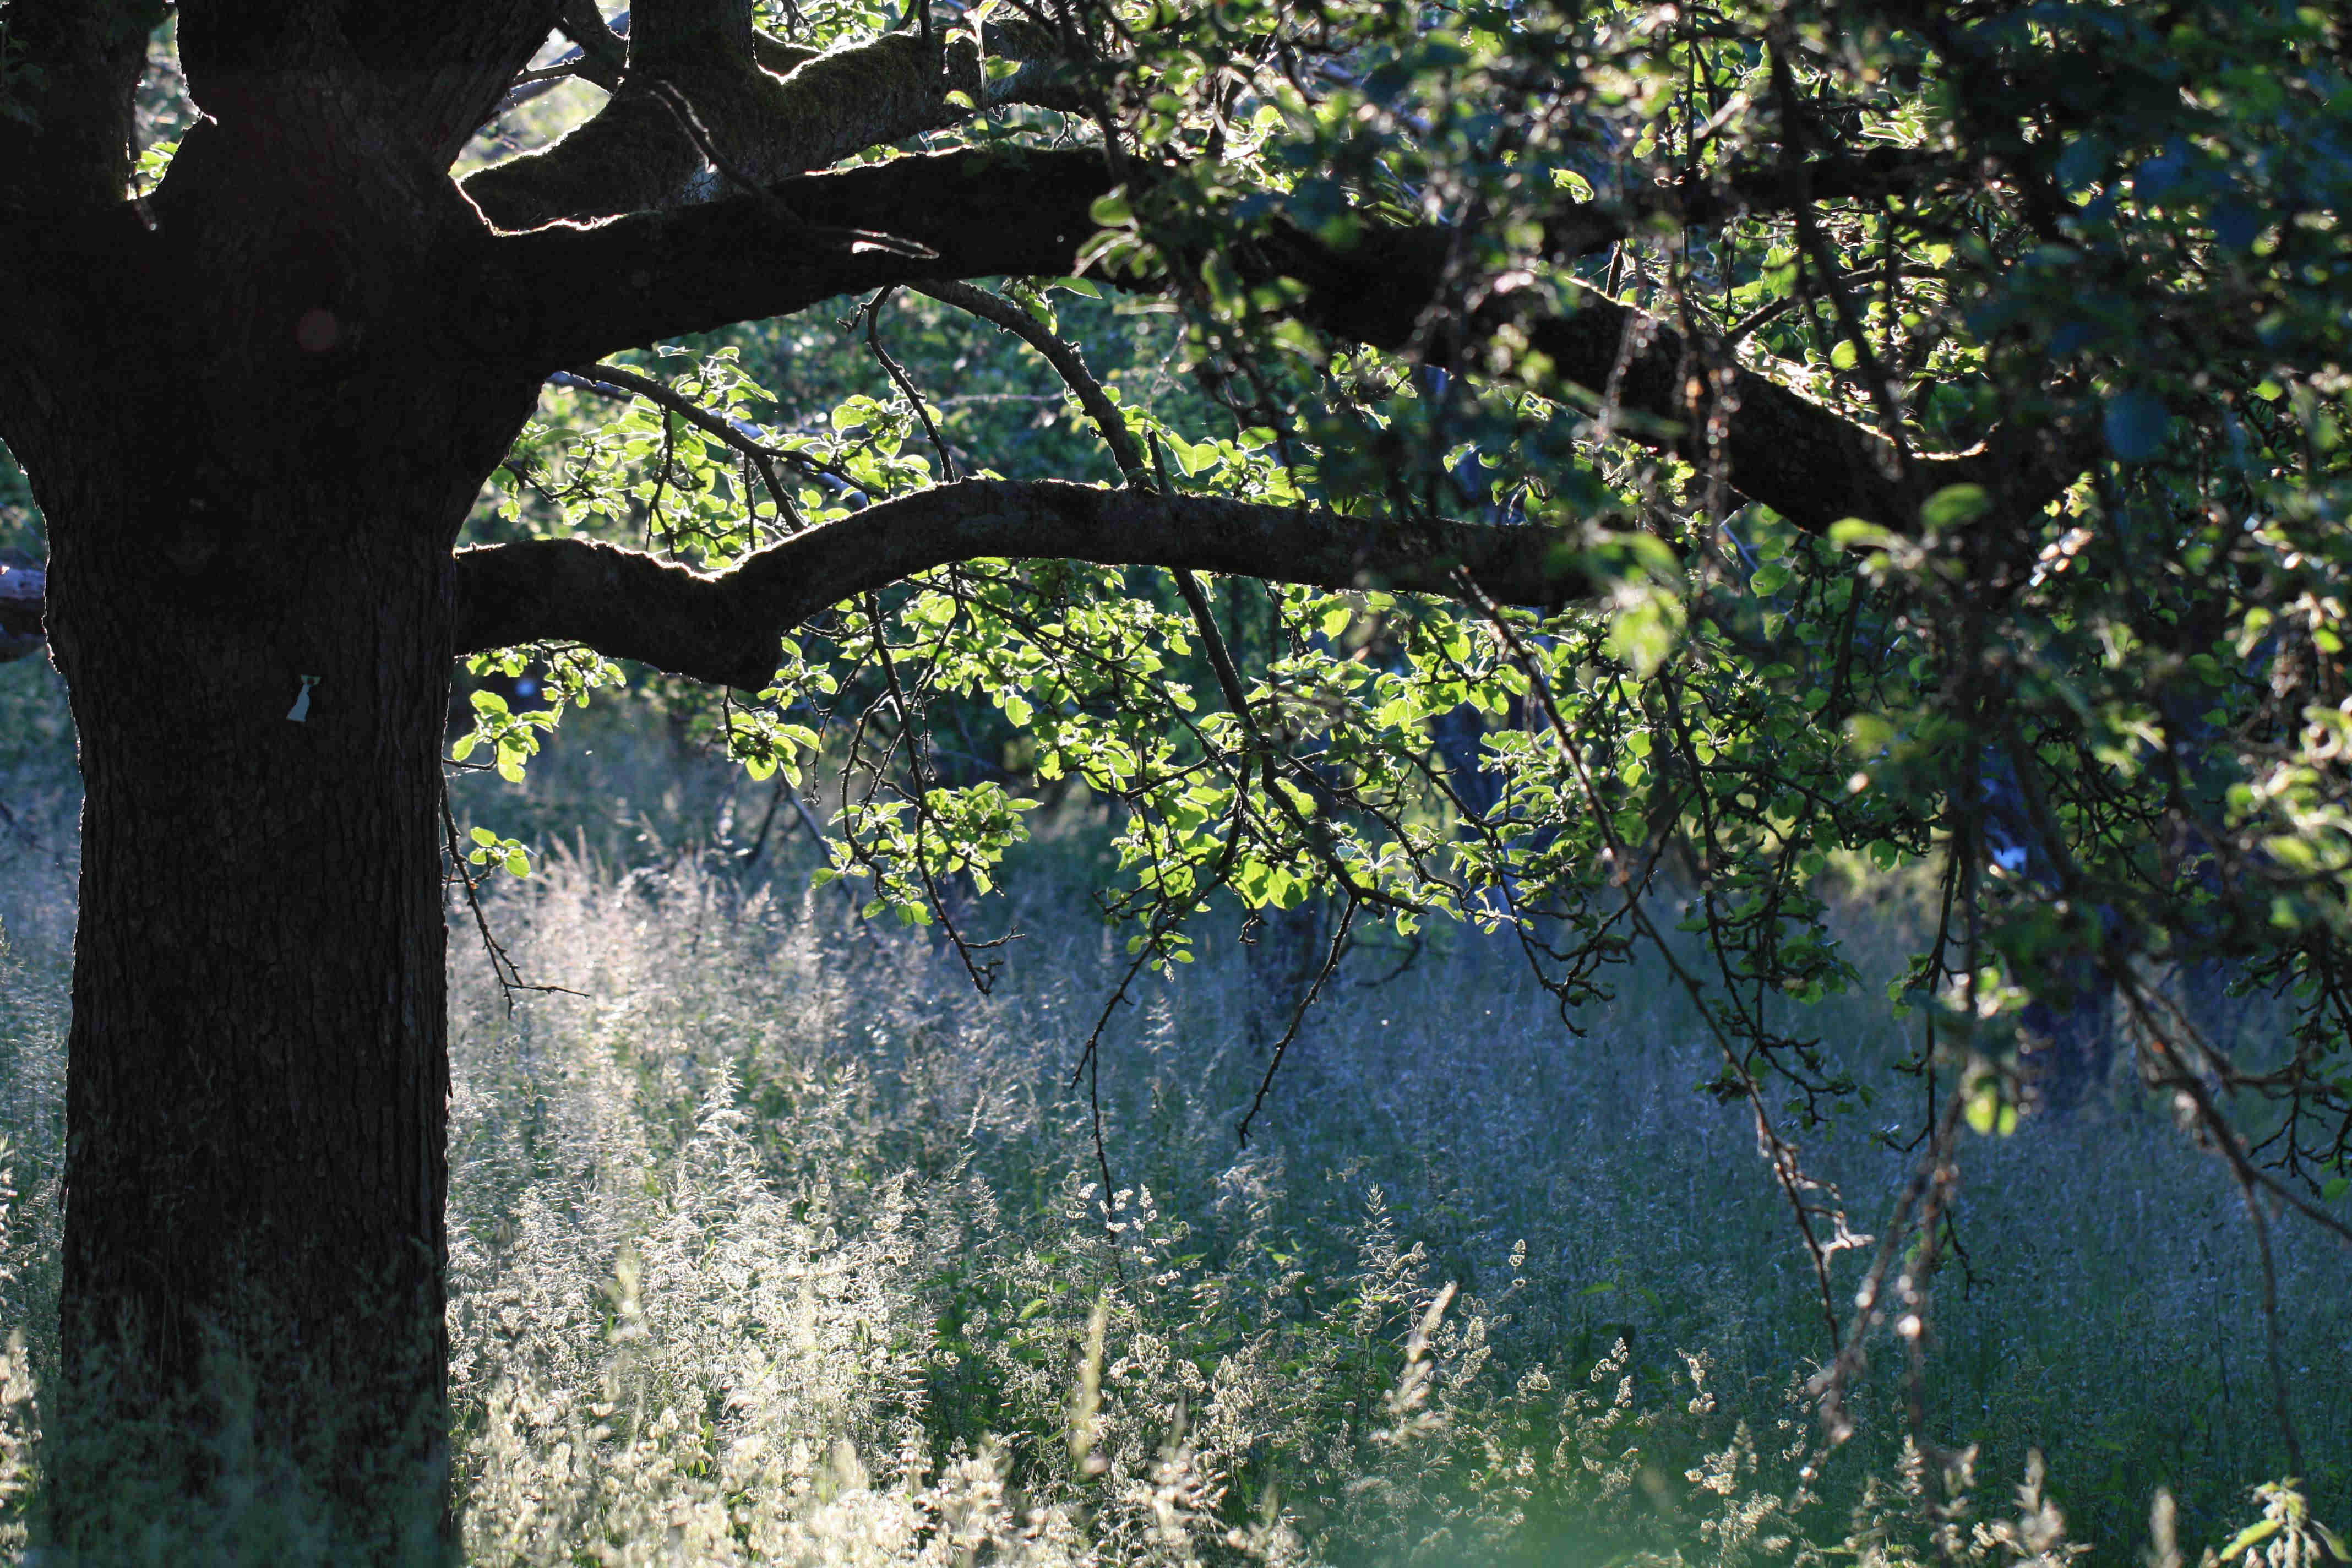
[779, 1243]
[1475, 1290]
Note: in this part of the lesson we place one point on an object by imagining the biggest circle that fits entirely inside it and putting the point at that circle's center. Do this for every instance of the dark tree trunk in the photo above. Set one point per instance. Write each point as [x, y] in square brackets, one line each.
[253, 460]
[257, 1060]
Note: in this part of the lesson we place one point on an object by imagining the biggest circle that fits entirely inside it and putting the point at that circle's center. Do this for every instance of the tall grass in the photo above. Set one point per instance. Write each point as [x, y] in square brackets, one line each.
[781, 1245]
[782, 1242]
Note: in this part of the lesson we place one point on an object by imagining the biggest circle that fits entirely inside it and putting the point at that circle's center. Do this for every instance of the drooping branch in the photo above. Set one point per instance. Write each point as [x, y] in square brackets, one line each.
[577, 295]
[724, 628]
[1064, 357]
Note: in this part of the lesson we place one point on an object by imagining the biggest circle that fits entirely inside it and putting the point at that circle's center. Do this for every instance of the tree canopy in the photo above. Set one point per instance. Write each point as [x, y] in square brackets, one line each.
[1609, 471]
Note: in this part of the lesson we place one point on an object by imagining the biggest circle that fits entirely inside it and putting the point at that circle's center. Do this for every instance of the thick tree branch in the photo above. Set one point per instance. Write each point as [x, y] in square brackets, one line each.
[606, 44]
[600, 54]
[725, 628]
[562, 296]
[1715, 195]
[635, 155]
[575, 296]
[446, 66]
[1807, 462]
[409, 81]
[600, 60]
[65, 124]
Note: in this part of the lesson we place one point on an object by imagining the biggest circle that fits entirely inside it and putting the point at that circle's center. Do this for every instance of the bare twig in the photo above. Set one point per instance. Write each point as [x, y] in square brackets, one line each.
[616, 381]
[1781, 1154]
[905, 384]
[1297, 1018]
[502, 965]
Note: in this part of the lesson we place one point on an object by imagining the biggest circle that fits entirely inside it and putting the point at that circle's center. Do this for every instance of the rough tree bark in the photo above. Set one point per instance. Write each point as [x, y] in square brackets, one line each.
[255, 409]
[229, 408]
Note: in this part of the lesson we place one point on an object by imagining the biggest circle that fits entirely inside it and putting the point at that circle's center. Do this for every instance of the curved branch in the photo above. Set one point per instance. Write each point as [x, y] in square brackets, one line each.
[724, 628]
[578, 295]
[1060, 354]
[613, 381]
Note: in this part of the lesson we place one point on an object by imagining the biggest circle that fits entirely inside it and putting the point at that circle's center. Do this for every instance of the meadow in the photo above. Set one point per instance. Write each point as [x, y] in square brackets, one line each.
[772, 1241]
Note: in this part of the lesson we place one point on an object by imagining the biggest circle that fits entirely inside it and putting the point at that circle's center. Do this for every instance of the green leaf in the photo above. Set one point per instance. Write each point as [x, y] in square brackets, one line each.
[2255, 1535]
[1984, 1106]
[1856, 534]
[1956, 506]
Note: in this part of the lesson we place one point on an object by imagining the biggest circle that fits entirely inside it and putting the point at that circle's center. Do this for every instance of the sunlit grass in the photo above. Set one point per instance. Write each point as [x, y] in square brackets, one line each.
[793, 1184]
[780, 1244]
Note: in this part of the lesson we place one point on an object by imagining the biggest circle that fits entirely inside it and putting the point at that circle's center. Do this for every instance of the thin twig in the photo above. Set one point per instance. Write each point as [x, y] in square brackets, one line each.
[983, 977]
[1779, 1152]
[904, 383]
[612, 380]
[1297, 1018]
[502, 965]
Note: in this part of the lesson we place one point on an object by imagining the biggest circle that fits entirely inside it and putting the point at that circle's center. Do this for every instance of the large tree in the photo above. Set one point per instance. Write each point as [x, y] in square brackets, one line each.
[1876, 427]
